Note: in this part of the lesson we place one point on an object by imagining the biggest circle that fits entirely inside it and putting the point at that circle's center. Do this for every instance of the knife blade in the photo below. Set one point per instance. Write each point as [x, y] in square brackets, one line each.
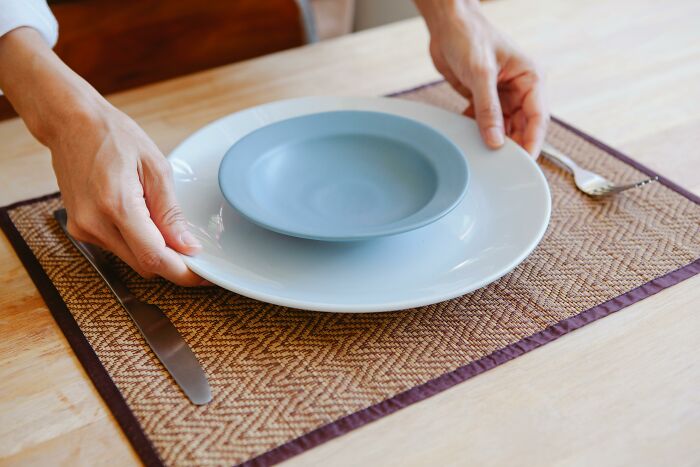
[159, 332]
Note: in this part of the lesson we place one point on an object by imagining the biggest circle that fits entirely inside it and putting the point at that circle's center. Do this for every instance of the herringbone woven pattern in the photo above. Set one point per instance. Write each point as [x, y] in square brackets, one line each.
[277, 373]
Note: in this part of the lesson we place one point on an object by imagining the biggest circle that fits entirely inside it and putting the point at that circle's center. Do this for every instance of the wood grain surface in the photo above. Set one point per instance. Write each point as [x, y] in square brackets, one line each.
[620, 391]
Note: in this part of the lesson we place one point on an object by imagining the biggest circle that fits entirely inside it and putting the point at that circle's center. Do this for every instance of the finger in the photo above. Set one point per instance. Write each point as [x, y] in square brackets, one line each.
[469, 111]
[163, 206]
[526, 94]
[110, 239]
[518, 122]
[456, 83]
[510, 100]
[517, 136]
[537, 117]
[148, 247]
[487, 109]
[79, 231]
[102, 233]
[508, 125]
[445, 70]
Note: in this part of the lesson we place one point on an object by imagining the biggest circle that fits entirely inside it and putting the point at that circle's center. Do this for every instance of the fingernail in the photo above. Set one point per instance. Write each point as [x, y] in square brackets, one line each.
[188, 239]
[494, 136]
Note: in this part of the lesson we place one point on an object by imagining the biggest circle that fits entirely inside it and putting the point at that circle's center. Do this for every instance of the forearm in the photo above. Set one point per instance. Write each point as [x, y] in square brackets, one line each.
[114, 181]
[42, 89]
[439, 12]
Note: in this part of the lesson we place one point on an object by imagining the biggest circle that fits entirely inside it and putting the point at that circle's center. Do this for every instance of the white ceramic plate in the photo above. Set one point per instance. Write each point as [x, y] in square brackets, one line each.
[495, 227]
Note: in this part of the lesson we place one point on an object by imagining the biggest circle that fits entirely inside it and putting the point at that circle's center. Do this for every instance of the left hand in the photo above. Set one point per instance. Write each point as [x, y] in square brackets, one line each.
[504, 87]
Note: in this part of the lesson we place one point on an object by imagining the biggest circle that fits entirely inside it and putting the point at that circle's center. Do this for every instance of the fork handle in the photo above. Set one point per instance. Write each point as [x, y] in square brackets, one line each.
[554, 155]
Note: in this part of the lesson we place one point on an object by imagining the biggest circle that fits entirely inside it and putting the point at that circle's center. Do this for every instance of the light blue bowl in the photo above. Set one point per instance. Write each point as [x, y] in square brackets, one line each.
[342, 176]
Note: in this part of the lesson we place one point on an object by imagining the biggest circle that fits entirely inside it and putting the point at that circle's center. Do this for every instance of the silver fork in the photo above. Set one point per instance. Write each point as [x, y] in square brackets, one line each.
[589, 182]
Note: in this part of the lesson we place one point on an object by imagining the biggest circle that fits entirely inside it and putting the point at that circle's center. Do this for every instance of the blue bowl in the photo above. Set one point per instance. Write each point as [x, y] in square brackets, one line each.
[345, 175]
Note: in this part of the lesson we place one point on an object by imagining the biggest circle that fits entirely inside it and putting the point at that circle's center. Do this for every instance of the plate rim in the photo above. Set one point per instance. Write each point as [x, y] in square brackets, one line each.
[394, 305]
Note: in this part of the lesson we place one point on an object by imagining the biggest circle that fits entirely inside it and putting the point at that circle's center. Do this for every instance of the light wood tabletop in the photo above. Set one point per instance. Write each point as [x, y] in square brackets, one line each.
[621, 391]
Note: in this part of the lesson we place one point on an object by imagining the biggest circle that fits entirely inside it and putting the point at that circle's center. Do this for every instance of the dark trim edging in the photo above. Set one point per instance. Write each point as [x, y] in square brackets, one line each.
[628, 160]
[77, 340]
[448, 380]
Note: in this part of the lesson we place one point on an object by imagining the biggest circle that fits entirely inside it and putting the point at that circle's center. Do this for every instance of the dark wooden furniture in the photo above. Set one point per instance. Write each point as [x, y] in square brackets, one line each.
[119, 44]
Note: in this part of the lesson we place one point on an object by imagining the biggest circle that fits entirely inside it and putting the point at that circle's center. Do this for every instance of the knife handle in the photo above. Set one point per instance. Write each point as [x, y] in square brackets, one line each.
[97, 259]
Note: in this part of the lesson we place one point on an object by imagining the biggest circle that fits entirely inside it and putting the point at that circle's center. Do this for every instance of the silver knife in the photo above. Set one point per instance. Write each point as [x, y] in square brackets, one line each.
[165, 341]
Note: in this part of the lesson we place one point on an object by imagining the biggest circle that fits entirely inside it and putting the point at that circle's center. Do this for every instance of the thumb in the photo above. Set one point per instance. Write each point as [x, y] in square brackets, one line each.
[487, 109]
[165, 210]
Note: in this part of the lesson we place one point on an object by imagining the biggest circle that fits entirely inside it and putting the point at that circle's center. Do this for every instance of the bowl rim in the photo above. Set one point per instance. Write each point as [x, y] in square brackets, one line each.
[375, 231]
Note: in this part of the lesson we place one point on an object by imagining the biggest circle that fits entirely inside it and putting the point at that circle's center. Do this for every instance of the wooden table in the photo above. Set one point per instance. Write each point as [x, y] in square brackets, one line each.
[621, 391]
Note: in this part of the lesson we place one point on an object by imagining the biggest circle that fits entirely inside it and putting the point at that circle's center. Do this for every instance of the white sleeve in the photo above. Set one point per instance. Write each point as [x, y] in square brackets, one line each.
[32, 13]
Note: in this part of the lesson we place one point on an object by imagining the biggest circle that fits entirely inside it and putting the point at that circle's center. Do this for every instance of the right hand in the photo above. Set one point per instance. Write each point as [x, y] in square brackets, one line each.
[118, 191]
[504, 87]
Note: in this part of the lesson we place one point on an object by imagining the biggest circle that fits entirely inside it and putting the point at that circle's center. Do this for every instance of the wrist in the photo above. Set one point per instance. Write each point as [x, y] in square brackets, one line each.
[71, 106]
[65, 104]
[439, 14]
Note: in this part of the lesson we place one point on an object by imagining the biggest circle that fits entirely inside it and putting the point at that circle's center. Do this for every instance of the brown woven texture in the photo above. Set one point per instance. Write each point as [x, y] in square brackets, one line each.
[277, 373]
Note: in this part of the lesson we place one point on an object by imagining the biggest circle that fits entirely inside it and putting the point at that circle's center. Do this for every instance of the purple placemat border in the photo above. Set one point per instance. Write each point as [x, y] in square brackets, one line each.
[628, 160]
[145, 449]
[461, 374]
[83, 350]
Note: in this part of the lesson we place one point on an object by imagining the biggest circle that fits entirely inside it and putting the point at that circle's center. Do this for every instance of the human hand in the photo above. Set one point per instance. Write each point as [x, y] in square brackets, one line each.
[116, 184]
[117, 188]
[504, 87]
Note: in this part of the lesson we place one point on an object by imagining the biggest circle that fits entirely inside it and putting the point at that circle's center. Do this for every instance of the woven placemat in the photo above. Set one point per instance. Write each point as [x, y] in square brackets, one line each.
[287, 380]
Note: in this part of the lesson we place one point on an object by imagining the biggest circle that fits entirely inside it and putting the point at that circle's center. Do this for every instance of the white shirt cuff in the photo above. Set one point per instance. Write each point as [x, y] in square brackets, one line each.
[33, 13]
